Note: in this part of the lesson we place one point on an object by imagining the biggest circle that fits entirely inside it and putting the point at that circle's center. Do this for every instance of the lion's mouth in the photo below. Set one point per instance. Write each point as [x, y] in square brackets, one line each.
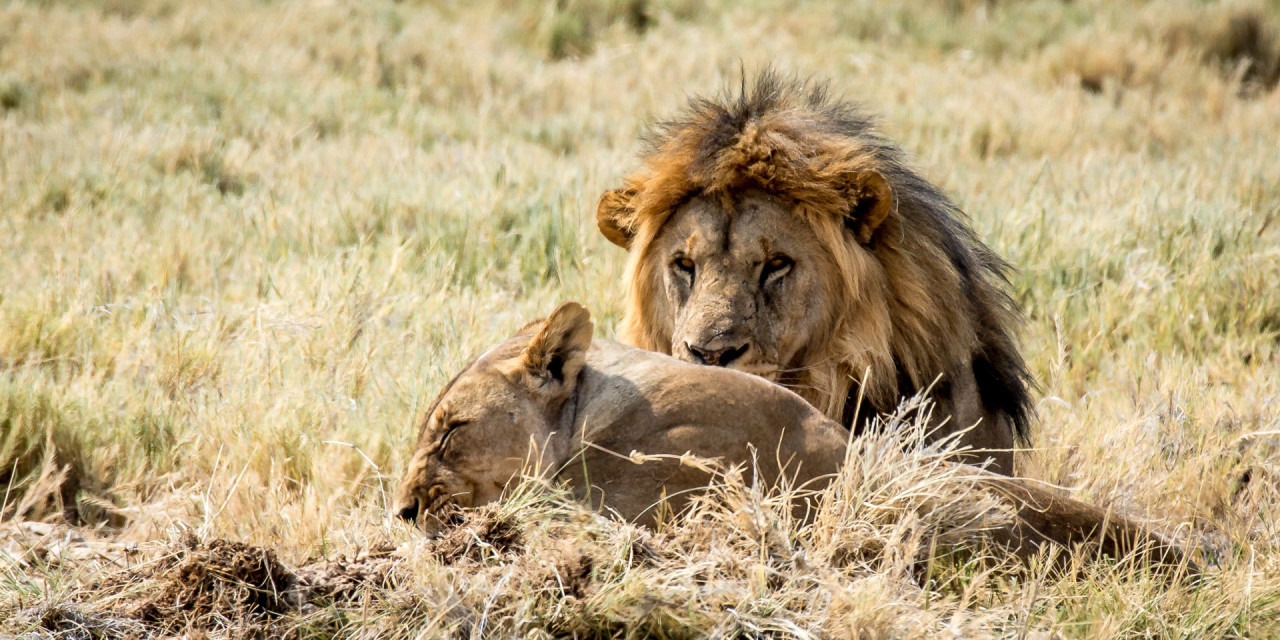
[740, 359]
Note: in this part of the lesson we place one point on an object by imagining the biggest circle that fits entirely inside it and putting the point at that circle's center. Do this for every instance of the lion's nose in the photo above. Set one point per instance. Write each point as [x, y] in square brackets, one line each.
[408, 511]
[716, 357]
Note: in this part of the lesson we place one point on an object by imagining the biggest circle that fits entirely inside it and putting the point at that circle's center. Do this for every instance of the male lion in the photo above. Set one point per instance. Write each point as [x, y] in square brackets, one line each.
[777, 233]
[552, 399]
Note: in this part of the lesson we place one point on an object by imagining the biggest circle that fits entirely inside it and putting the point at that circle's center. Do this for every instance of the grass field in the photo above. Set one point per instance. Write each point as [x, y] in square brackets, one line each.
[243, 244]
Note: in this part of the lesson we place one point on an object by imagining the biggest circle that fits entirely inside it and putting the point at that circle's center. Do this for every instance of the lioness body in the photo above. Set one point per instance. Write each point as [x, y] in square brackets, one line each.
[552, 399]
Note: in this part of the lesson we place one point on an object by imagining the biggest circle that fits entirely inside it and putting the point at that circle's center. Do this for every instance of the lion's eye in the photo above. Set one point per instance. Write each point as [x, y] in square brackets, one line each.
[684, 265]
[775, 267]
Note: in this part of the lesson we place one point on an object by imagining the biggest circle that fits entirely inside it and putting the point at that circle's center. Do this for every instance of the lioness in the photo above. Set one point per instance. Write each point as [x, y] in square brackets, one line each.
[776, 232]
[551, 394]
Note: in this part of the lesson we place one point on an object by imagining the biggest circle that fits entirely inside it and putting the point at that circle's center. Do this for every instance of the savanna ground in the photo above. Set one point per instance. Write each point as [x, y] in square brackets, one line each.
[245, 243]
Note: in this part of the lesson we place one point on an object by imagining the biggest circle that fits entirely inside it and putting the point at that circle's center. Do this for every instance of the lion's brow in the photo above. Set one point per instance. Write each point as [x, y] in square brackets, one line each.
[691, 242]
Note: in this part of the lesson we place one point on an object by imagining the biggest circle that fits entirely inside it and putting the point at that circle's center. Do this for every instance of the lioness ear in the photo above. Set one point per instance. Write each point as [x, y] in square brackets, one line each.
[870, 201]
[614, 215]
[557, 354]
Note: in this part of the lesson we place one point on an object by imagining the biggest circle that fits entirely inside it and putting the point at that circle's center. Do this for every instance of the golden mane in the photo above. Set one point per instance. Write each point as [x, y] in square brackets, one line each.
[916, 294]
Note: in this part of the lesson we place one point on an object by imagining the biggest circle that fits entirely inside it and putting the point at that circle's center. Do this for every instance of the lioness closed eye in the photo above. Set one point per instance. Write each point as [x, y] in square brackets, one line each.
[552, 393]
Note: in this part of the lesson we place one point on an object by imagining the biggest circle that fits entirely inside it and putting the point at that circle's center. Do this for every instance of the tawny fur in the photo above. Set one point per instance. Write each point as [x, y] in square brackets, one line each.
[916, 295]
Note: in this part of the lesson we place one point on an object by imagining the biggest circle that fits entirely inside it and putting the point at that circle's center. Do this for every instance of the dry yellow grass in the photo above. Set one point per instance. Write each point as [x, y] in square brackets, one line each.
[243, 244]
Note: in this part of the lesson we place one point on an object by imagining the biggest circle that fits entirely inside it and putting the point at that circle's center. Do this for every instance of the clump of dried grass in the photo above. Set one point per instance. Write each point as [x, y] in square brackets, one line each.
[1173, 47]
[1239, 40]
[1112, 62]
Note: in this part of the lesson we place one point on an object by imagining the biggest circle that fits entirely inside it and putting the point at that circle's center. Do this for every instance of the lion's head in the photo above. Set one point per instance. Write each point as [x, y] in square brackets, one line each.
[776, 232]
[497, 417]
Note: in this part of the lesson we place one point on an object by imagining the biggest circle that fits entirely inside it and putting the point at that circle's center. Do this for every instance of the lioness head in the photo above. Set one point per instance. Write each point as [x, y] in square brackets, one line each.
[497, 417]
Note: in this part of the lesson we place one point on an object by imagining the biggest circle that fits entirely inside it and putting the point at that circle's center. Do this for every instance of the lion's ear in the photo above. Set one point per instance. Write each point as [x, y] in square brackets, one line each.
[555, 357]
[614, 216]
[870, 201]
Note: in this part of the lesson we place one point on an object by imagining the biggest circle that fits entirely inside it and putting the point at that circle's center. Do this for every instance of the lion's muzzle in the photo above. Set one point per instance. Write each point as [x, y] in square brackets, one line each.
[716, 353]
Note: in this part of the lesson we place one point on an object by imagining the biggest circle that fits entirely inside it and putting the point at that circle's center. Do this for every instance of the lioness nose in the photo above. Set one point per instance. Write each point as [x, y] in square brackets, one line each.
[716, 357]
[409, 510]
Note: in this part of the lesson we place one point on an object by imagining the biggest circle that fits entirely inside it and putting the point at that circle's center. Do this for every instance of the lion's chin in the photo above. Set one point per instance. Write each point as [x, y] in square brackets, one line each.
[766, 371]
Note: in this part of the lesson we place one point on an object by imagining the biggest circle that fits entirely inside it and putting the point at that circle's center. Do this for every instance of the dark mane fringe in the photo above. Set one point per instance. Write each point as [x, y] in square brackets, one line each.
[789, 137]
